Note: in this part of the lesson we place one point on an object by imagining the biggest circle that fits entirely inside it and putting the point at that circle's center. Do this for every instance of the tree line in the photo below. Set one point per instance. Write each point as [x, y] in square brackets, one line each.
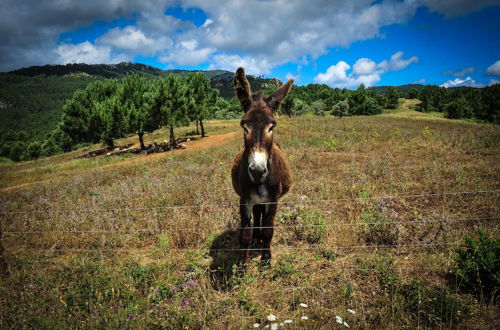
[463, 102]
[110, 109]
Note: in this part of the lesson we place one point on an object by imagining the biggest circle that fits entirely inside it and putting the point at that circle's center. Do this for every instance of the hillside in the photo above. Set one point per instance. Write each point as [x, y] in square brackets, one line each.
[367, 233]
[31, 99]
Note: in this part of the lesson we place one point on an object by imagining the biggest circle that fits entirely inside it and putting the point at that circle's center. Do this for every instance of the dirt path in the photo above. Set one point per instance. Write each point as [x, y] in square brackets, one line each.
[191, 146]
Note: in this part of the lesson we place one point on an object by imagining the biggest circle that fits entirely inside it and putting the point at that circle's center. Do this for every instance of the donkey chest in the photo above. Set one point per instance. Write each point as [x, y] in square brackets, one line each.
[258, 194]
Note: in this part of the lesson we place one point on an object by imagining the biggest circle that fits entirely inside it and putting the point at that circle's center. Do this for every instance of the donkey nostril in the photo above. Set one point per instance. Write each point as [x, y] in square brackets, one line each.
[257, 171]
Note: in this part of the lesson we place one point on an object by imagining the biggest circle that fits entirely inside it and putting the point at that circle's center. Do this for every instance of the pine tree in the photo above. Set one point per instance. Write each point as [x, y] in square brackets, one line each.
[392, 97]
[201, 98]
[169, 98]
[133, 98]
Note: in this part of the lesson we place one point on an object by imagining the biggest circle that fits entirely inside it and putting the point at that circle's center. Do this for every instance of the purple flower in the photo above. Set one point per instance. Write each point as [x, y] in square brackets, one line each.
[191, 284]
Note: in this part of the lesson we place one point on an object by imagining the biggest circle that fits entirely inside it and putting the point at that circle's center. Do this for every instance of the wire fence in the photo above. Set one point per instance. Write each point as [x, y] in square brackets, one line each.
[255, 249]
[152, 230]
[305, 200]
[290, 248]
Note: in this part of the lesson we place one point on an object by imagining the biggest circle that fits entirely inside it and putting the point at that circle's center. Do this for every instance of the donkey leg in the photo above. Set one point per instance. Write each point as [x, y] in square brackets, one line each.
[245, 233]
[258, 211]
[267, 233]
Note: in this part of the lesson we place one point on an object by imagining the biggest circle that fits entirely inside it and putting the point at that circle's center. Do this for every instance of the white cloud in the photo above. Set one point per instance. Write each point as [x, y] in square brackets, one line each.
[334, 74]
[253, 65]
[461, 82]
[86, 52]
[494, 69]
[292, 30]
[259, 33]
[364, 66]
[420, 81]
[364, 71]
[187, 53]
[131, 38]
[396, 63]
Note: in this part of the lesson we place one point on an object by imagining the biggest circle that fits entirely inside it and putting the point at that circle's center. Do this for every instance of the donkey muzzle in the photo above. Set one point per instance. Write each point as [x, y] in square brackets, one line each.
[257, 167]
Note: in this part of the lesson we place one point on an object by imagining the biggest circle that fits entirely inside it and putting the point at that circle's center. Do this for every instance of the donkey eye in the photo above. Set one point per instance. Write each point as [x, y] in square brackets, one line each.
[271, 129]
[246, 130]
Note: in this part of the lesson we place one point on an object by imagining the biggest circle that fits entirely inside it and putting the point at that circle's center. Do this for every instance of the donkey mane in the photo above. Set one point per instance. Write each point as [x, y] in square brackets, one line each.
[260, 173]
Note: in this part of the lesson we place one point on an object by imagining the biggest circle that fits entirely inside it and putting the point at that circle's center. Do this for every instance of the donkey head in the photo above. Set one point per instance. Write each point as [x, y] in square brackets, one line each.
[258, 123]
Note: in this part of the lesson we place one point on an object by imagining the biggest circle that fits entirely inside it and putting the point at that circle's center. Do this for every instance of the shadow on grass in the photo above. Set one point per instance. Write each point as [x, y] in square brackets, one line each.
[224, 263]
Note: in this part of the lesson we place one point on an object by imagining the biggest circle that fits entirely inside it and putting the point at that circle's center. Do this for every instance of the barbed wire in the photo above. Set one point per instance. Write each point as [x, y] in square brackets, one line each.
[315, 247]
[451, 220]
[247, 204]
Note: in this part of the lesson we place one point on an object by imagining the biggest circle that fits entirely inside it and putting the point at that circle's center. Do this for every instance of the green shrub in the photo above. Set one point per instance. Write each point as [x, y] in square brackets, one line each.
[478, 267]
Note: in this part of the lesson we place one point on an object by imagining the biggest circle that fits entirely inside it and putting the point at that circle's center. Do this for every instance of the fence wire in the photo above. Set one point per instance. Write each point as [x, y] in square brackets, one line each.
[245, 204]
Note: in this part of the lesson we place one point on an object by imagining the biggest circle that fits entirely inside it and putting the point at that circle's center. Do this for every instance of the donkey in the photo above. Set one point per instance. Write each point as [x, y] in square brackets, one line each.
[260, 173]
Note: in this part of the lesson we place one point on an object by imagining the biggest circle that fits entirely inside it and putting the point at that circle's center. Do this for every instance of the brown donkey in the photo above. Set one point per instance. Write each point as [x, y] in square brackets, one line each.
[260, 173]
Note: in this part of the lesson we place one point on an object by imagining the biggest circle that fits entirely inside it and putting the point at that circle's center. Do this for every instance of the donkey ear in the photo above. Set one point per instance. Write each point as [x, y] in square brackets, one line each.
[242, 89]
[278, 96]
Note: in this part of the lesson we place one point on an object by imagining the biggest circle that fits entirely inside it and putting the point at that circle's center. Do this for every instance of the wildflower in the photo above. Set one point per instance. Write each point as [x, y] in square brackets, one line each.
[282, 324]
[345, 324]
[338, 319]
[271, 317]
[303, 305]
[287, 321]
[351, 311]
[304, 318]
[256, 325]
[274, 326]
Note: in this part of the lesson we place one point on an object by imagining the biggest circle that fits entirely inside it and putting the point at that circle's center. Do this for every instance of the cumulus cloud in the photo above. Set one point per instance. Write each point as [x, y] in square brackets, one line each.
[86, 52]
[462, 82]
[459, 73]
[30, 29]
[494, 69]
[262, 34]
[187, 53]
[364, 71]
[289, 30]
[253, 65]
[131, 38]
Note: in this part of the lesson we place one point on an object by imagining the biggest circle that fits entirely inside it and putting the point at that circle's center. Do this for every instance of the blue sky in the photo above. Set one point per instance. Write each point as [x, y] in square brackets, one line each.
[339, 43]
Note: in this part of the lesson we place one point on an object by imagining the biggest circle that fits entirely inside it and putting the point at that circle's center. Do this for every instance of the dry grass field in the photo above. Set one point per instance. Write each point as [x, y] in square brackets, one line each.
[367, 233]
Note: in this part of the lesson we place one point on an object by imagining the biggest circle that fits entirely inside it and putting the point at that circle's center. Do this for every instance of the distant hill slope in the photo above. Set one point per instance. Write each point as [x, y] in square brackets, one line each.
[31, 99]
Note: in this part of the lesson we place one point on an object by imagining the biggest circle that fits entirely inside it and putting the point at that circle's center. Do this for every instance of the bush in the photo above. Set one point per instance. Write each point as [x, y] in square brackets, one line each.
[318, 108]
[478, 267]
[459, 108]
[341, 108]
[34, 150]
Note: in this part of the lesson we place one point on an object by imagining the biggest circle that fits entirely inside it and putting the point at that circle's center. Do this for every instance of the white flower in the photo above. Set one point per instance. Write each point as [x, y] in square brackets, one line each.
[345, 323]
[351, 311]
[282, 324]
[338, 319]
[256, 325]
[274, 326]
[271, 317]
[287, 321]
[304, 318]
[303, 305]
[266, 326]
